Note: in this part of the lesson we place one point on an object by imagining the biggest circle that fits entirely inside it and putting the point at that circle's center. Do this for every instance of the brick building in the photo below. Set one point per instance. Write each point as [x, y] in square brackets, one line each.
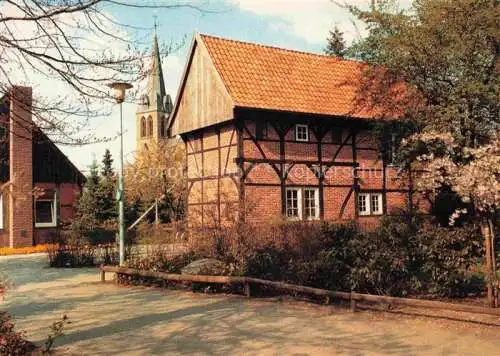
[40, 185]
[273, 133]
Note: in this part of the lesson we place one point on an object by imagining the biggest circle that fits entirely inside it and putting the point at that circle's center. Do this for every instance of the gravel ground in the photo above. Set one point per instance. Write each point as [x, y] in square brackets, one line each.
[107, 319]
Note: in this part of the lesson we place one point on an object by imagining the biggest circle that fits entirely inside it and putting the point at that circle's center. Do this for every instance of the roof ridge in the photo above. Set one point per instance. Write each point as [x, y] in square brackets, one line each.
[340, 59]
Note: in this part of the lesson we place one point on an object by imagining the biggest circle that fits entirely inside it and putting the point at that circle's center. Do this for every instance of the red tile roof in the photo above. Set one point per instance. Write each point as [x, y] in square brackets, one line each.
[265, 77]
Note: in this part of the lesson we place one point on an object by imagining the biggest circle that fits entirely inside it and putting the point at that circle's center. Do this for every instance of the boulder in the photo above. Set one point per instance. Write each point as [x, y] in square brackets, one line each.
[205, 266]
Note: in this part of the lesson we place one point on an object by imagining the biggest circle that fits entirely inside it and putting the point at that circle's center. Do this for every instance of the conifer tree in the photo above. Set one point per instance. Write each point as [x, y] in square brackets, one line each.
[107, 191]
[335, 43]
[107, 164]
[85, 217]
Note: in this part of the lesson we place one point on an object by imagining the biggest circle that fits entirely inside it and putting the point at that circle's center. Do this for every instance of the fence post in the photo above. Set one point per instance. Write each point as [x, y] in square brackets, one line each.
[352, 303]
[247, 290]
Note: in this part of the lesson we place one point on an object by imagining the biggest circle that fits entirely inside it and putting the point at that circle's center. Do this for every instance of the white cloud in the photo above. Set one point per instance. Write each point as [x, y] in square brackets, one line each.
[308, 19]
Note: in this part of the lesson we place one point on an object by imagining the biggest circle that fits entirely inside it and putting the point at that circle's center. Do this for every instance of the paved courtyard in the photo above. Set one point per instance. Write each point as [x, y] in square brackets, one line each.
[114, 320]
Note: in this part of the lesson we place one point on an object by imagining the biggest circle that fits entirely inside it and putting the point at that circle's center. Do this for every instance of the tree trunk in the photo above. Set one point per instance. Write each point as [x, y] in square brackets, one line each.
[496, 285]
[486, 232]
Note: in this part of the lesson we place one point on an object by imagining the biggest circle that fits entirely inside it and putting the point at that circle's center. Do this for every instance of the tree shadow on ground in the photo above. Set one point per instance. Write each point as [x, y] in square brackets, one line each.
[230, 326]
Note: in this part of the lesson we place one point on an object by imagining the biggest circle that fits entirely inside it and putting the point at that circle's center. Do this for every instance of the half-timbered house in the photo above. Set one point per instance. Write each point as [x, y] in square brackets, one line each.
[272, 133]
[40, 185]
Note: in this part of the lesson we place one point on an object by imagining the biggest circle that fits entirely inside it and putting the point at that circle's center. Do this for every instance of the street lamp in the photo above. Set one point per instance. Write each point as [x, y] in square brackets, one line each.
[119, 95]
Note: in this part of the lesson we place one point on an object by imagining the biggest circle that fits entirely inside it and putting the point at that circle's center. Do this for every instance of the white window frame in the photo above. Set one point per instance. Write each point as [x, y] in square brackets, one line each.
[1, 212]
[301, 203]
[316, 203]
[53, 223]
[301, 139]
[368, 204]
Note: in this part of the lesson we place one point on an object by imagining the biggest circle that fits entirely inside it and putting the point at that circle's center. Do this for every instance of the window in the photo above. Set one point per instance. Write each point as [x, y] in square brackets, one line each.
[162, 127]
[143, 126]
[311, 204]
[302, 203]
[301, 133]
[46, 211]
[376, 204]
[370, 204]
[150, 126]
[337, 136]
[260, 130]
[292, 203]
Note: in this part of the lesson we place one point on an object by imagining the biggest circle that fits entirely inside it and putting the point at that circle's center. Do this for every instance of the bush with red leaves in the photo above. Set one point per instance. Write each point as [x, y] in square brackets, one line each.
[12, 343]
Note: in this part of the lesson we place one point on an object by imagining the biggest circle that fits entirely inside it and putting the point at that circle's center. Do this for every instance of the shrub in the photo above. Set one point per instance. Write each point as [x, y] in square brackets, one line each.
[447, 255]
[12, 342]
[78, 255]
[269, 262]
[160, 258]
[406, 255]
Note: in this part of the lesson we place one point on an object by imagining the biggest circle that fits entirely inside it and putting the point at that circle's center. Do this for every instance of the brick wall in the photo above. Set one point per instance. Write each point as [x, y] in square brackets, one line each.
[21, 175]
[262, 186]
[67, 198]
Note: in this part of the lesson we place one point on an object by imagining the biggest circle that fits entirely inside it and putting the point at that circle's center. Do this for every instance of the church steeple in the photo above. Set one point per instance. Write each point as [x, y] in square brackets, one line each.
[155, 104]
[155, 97]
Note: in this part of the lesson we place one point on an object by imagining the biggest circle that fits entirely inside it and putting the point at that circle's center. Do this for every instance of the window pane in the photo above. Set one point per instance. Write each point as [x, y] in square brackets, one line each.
[44, 211]
[301, 133]
[310, 207]
[376, 204]
[292, 203]
[362, 206]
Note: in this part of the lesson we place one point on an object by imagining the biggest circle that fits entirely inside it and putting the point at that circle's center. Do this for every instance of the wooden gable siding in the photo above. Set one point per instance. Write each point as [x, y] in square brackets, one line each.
[50, 165]
[203, 99]
[212, 176]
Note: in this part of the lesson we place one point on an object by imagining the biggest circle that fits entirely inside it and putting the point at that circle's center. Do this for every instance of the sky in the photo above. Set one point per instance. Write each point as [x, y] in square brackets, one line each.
[294, 24]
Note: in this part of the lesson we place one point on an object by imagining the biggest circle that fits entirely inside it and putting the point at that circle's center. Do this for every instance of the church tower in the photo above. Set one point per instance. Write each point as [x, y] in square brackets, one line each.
[155, 105]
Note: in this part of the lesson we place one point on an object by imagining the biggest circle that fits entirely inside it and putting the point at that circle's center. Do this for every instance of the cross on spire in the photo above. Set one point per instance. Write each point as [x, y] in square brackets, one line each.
[155, 21]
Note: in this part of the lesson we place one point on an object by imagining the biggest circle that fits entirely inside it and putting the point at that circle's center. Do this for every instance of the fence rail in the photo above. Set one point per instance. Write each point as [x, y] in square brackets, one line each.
[351, 297]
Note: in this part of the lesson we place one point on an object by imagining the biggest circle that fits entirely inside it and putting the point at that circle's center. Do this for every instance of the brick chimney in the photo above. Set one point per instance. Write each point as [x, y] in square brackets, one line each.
[21, 168]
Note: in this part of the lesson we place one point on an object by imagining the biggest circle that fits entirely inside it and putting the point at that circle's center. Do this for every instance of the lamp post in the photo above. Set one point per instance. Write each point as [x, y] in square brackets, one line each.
[119, 95]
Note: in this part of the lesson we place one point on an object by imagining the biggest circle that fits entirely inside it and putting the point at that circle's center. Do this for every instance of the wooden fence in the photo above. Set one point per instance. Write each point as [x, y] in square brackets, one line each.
[351, 297]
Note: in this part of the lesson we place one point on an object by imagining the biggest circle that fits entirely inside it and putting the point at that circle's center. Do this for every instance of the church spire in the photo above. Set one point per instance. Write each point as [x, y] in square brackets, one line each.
[156, 97]
[155, 104]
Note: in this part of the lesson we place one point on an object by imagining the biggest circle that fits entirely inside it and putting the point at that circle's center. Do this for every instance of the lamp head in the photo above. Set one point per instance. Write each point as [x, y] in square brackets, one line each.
[119, 90]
